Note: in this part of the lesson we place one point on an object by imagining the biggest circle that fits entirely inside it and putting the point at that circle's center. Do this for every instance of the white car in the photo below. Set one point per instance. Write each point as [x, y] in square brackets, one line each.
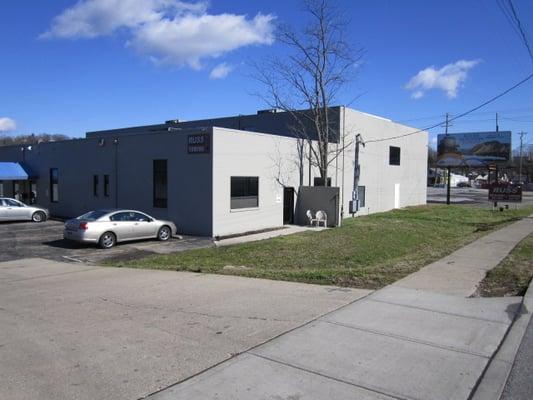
[108, 227]
[14, 210]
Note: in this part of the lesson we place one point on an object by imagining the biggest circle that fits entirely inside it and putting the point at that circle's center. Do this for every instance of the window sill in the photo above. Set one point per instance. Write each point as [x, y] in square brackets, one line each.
[237, 210]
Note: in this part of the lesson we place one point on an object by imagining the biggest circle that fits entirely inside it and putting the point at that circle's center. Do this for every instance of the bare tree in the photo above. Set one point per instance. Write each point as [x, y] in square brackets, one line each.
[6, 140]
[307, 80]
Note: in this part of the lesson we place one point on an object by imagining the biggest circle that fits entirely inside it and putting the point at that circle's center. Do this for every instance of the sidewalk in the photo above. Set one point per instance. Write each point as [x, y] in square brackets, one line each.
[287, 230]
[406, 341]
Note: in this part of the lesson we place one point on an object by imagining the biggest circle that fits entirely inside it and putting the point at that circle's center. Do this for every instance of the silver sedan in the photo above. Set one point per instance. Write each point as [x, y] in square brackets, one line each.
[14, 210]
[108, 227]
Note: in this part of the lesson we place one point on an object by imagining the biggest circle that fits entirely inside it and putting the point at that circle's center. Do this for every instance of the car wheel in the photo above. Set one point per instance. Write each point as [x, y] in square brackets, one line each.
[164, 233]
[38, 216]
[107, 240]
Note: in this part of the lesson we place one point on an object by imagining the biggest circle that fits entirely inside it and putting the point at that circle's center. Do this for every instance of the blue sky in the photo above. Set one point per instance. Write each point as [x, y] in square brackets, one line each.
[70, 67]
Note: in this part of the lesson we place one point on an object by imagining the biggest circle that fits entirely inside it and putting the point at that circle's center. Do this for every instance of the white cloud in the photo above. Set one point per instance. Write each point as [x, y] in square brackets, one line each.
[449, 78]
[220, 71]
[167, 31]
[7, 124]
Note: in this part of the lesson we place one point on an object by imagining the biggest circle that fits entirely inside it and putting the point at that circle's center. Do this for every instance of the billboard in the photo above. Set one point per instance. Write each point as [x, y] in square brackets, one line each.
[473, 149]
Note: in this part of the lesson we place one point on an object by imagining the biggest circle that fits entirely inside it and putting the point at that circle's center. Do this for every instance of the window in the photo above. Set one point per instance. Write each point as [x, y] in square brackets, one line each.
[394, 155]
[160, 183]
[95, 185]
[54, 185]
[12, 203]
[244, 192]
[130, 216]
[318, 181]
[106, 185]
[123, 217]
[361, 191]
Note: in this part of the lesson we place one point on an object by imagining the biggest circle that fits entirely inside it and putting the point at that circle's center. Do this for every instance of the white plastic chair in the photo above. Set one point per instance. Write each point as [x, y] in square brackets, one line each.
[321, 217]
[310, 217]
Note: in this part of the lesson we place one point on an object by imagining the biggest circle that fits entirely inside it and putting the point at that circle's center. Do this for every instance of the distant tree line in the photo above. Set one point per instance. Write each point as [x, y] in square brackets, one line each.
[33, 138]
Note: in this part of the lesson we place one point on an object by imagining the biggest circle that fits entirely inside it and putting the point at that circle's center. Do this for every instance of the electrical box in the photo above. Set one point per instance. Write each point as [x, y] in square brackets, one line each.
[354, 206]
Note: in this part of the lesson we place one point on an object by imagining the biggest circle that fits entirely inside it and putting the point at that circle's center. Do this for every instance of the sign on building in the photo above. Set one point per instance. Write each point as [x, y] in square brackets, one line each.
[198, 143]
[505, 192]
[473, 149]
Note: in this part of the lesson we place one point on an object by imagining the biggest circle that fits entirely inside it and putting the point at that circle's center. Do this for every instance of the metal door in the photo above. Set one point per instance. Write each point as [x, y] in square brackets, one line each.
[288, 205]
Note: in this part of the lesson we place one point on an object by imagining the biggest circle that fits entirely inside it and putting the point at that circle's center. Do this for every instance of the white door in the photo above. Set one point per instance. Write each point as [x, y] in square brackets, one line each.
[396, 195]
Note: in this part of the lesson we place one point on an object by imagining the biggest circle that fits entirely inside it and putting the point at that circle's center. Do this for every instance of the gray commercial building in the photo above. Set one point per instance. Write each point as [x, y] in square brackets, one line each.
[217, 177]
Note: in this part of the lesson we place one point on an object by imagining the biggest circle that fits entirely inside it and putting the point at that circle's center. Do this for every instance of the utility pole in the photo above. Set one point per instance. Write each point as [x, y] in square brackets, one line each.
[522, 134]
[354, 204]
[449, 168]
[497, 126]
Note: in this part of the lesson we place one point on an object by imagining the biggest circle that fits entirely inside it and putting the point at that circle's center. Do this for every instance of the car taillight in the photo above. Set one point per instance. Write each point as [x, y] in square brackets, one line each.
[84, 226]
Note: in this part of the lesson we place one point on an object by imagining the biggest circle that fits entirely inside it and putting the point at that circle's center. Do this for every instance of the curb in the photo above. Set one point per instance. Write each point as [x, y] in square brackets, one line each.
[495, 377]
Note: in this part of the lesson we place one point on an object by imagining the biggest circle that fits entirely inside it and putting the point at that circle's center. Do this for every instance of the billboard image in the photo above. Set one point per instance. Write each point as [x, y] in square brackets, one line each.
[473, 149]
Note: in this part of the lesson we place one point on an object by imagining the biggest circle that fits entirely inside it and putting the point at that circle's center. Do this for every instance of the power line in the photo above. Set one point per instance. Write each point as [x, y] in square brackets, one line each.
[520, 28]
[460, 115]
[504, 111]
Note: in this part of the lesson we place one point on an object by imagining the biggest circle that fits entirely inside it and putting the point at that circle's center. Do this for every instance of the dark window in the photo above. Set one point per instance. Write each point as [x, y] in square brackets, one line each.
[318, 181]
[361, 191]
[54, 185]
[95, 185]
[141, 217]
[93, 215]
[122, 216]
[106, 185]
[160, 183]
[244, 192]
[394, 155]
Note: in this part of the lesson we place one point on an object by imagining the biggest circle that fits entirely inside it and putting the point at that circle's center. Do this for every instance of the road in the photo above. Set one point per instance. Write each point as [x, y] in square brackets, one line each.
[478, 197]
[73, 331]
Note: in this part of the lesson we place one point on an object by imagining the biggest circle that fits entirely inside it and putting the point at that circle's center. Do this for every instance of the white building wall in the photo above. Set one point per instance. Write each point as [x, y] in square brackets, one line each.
[379, 178]
[239, 153]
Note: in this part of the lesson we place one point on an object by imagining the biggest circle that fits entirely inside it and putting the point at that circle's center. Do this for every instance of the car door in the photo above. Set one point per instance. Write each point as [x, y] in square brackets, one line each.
[3, 210]
[144, 226]
[14, 211]
[122, 225]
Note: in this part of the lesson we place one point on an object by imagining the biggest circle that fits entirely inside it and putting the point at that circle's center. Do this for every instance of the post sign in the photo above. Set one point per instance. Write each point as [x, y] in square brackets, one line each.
[198, 143]
[505, 192]
[473, 149]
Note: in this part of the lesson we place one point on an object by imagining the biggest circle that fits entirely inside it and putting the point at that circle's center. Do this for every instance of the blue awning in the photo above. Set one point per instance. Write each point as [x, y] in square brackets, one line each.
[12, 171]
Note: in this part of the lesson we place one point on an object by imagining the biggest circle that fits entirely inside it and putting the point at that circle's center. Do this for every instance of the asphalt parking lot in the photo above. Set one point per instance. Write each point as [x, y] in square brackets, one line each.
[73, 331]
[45, 240]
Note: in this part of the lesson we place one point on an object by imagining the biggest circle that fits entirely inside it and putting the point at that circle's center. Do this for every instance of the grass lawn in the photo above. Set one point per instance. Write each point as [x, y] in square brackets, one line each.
[512, 276]
[366, 252]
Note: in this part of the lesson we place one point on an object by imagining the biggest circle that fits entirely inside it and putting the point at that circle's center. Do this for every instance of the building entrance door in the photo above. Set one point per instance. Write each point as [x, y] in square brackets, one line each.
[288, 205]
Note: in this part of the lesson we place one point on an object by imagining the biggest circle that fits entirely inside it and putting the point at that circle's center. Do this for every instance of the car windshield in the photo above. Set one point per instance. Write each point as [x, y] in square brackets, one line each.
[93, 215]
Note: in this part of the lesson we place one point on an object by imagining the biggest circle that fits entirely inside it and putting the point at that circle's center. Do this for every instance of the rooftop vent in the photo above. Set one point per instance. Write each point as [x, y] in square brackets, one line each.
[270, 111]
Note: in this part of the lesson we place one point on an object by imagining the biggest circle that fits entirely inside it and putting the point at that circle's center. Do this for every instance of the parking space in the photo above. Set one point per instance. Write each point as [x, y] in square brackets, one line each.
[45, 240]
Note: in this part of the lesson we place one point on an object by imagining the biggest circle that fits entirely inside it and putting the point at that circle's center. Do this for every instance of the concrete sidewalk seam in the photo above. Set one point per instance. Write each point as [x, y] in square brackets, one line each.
[407, 339]
[371, 389]
[438, 312]
[52, 275]
[249, 351]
